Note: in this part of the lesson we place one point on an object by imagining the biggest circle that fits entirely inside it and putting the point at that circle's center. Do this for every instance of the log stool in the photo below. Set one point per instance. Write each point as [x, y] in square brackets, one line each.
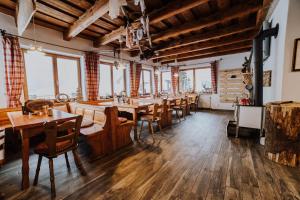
[2, 140]
[282, 129]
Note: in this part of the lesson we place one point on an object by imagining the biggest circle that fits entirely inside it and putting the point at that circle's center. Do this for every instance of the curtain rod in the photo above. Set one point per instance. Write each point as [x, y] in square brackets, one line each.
[3, 32]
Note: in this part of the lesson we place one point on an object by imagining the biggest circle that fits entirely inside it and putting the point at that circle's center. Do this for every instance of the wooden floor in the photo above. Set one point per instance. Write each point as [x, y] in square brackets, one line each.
[192, 160]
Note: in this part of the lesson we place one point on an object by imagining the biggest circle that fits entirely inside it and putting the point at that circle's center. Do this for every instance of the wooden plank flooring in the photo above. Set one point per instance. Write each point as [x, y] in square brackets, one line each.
[192, 160]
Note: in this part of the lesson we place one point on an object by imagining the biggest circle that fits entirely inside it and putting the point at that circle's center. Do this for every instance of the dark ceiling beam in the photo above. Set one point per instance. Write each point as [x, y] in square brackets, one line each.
[196, 38]
[207, 44]
[235, 12]
[173, 8]
[225, 52]
[234, 46]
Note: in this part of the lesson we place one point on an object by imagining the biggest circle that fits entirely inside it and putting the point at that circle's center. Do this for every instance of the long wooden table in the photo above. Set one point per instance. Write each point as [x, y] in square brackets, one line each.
[29, 126]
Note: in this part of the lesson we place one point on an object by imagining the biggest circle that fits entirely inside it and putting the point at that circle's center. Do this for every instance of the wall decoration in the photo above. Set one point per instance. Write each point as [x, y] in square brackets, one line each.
[296, 56]
[231, 85]
[267, 78]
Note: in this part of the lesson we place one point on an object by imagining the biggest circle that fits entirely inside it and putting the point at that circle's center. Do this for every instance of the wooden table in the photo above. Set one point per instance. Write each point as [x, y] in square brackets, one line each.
[134, 109]
[29, 126]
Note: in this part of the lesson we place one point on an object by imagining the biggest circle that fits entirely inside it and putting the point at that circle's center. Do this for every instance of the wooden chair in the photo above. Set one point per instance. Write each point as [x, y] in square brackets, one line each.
[155, 116]
[180, 107]
[57, 143]
[194, 103]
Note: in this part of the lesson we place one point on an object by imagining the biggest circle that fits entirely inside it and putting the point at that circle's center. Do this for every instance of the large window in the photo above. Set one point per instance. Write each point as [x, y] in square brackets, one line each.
[203, 80]
[105, 89]
[166, 82]
[112, 80]
[68, 76]
[118, 80]
[186, 80]
[145, 82]
[50, 74]
[39, 75]
[195, 79]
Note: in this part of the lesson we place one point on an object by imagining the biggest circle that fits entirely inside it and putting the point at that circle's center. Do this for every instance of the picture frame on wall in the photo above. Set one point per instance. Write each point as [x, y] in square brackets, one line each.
[296, 56]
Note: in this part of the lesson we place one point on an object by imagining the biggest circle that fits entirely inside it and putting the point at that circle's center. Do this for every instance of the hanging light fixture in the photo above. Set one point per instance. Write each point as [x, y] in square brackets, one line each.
[34, 48]
[176, 64]
[122, 64]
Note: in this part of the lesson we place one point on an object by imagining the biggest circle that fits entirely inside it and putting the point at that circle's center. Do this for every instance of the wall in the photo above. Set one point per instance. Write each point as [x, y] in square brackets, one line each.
[291, 79]
[284, 80]
[228, 62]
[275, 61]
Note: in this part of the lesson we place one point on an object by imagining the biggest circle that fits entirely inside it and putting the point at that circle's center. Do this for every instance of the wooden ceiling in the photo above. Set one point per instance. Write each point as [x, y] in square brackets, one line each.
[180, 29]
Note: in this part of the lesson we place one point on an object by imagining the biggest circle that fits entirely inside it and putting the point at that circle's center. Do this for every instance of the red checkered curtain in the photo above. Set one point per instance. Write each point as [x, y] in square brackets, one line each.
[156, 83]
[214, 77]
[14, 70]
[92, 61]
[135, 77]
[174, 78]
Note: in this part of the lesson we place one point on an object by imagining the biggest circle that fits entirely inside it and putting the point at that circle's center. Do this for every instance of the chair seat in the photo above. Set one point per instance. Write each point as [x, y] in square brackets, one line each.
[122, 119]
[149, 117]
[177, 108]
[42, 148]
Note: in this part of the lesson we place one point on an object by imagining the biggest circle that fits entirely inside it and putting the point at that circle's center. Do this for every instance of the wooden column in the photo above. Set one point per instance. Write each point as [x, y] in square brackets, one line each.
[282, 127]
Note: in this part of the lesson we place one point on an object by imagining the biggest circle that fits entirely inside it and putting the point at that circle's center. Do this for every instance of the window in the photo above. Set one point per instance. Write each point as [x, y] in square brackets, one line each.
[195, 79]
[105, 88]
[186, 80]
[68, 77]
[39, 75]
[145, 82]
[119, 80]
[50, 74]
[203, 80]
[166, 82]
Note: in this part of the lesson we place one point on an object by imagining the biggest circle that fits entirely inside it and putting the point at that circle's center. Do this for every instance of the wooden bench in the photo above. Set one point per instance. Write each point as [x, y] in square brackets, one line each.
[102, 129]
[4, 124]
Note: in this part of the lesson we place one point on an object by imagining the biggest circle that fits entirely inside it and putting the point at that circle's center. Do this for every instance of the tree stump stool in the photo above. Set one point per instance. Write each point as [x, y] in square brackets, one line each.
[282, 129]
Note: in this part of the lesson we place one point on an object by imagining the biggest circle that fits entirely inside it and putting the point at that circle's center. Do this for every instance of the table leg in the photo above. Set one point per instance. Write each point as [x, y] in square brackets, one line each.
[135, 120]
[25, 162]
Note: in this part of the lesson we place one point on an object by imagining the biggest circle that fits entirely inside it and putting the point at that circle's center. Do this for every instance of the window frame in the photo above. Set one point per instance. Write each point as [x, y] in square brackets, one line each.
[55, 72]
[112, 76]
[194, 75]
[143, 85]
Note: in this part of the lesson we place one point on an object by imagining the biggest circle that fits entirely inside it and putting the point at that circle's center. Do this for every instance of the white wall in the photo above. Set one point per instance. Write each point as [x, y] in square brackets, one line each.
[277, 53]
[233, 61]
[291, 79]
[284, 81]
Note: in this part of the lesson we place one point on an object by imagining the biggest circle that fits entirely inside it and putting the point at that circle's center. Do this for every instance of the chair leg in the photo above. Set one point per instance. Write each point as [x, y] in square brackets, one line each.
[151, 130]
[52, 180]
[159, 125]
[177, 115]
[78, 163]
[142, 125]
[37, 172]
[67, 161]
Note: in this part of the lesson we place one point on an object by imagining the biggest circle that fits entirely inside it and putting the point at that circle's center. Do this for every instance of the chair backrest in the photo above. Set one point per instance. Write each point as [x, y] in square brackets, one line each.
[156, 110]
[37, 105]
[69, 129]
